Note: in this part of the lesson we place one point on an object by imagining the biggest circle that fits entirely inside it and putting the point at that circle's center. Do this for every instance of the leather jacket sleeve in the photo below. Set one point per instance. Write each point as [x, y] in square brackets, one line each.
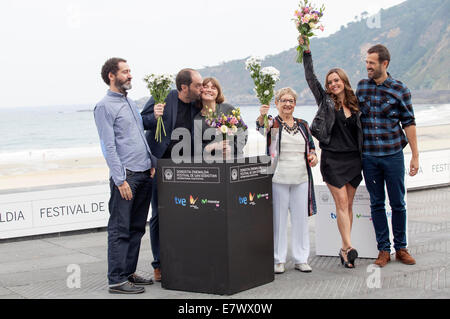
[314, 84]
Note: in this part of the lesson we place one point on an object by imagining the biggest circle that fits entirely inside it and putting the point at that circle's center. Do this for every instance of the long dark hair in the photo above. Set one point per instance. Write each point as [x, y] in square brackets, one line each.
[350, 98]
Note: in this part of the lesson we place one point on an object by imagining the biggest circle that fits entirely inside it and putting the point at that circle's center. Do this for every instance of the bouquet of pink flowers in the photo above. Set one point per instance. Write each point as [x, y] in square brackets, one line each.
[227, 124]
[307, 20]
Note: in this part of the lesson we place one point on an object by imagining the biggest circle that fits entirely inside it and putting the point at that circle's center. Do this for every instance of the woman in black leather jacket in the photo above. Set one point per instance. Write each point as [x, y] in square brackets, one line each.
[337, 126]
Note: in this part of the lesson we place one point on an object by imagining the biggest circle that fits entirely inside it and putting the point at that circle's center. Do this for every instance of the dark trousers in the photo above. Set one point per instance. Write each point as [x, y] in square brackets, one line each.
[154, 227]
[379, 170]
[126, 226]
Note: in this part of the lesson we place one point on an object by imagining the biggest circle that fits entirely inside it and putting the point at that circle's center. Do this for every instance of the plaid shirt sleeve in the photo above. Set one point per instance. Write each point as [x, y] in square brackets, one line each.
[406, 109]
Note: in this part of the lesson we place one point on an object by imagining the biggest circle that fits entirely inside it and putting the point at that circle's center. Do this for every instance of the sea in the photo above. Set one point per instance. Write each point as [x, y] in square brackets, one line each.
[48, 133]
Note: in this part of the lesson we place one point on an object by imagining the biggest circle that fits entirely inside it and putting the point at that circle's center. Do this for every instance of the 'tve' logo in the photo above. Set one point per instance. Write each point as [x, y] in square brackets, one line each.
[243, 200]
[180, 201]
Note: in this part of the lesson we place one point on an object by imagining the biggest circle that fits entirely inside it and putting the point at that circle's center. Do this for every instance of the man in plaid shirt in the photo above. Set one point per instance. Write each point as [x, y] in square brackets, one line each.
[387, 114]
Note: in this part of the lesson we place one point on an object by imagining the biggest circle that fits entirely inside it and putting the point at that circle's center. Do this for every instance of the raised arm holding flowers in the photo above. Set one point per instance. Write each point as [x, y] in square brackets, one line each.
[307, 20]
[264, 80]
[337, 126]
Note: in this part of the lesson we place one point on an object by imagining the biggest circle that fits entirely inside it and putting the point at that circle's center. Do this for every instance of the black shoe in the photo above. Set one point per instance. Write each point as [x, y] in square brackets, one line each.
[126, 288]
[344, 259]
[352, 254]
[139, 281]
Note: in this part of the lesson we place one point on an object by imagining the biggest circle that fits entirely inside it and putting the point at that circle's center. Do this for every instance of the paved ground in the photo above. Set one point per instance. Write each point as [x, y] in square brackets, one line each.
[38, 268]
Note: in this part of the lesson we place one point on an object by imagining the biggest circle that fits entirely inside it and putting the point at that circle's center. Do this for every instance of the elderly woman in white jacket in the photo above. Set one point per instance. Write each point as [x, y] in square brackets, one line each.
[292, 150]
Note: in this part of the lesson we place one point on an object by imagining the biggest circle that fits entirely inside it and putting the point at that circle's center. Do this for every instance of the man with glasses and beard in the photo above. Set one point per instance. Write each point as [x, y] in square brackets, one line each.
[132, 168]
[178, 111]
[385, 103]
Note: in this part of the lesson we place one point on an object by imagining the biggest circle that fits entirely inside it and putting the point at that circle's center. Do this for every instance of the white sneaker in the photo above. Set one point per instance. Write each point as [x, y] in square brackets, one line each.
[279, 268]
[303, 267]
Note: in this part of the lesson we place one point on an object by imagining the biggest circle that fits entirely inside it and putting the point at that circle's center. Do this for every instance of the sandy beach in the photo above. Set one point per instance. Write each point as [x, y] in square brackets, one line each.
[94, 169]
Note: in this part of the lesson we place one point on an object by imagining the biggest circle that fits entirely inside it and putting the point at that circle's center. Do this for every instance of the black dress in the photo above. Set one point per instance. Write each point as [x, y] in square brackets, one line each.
[340, 161]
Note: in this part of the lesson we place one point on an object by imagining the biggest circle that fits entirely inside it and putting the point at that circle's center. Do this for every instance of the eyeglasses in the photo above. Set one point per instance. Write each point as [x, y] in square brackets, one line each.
[285, 101]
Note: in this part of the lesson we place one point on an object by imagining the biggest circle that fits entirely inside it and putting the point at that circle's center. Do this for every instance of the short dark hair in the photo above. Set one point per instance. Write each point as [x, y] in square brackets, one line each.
[382, 51]
[111, 65]
[184, 77]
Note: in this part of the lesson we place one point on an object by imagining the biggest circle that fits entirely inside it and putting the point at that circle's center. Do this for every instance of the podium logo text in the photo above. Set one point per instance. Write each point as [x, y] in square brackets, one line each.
[192, 200]
[243, 200]
[180, 201]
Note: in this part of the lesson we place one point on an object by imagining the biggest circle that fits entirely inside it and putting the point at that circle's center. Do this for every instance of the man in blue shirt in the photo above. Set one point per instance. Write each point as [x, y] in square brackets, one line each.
[387, 114]
[132, 168]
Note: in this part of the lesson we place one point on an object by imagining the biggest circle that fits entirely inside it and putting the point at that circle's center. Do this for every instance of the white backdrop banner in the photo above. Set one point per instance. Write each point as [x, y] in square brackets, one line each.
[75, 208]
[434, 170]
[54, 210]
[328, 239]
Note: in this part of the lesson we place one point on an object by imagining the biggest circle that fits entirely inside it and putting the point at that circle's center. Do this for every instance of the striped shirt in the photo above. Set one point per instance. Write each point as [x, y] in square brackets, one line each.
[383, 108]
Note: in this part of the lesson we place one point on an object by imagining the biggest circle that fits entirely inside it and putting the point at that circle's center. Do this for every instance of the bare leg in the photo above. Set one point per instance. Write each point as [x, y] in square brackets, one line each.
[350, 196]
[340, 197]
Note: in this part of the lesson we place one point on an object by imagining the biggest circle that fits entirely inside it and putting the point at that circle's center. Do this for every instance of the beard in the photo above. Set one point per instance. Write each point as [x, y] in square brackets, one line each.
[377, 73]
[122, 85]
[193, 97]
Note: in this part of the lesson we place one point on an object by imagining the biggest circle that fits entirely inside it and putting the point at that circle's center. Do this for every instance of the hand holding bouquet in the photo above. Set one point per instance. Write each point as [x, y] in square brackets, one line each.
[265, 80]
[159, 86]
[307, 19]
[226, 124]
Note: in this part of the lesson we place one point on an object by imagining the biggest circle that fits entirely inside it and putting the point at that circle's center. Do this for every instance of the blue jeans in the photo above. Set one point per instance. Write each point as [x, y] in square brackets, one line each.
[154, 226]
[379, 170]
[126, 226]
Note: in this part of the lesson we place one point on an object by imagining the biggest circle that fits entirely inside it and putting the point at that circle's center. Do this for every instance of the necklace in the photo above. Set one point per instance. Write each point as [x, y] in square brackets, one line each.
[295, 129]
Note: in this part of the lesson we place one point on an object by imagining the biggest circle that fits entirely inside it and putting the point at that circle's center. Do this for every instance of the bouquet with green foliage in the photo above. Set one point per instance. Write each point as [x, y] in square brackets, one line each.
[307, 20]
[227, 124]
[265, 80]
[159, 86]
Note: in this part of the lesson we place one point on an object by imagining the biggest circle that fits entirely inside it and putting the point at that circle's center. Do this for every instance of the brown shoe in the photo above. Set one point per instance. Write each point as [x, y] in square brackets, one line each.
[383, 258]
[403, 255]
[157, 274]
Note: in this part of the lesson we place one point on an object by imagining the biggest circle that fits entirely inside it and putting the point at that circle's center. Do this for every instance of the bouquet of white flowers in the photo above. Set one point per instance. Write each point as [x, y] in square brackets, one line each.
[159, 86]
[265, 80]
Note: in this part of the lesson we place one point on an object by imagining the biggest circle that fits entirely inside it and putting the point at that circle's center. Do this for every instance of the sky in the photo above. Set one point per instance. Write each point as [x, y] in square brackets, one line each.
[52, 50]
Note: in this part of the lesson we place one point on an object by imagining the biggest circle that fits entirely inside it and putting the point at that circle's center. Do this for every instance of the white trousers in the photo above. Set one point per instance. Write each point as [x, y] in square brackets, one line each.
[295, 199]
